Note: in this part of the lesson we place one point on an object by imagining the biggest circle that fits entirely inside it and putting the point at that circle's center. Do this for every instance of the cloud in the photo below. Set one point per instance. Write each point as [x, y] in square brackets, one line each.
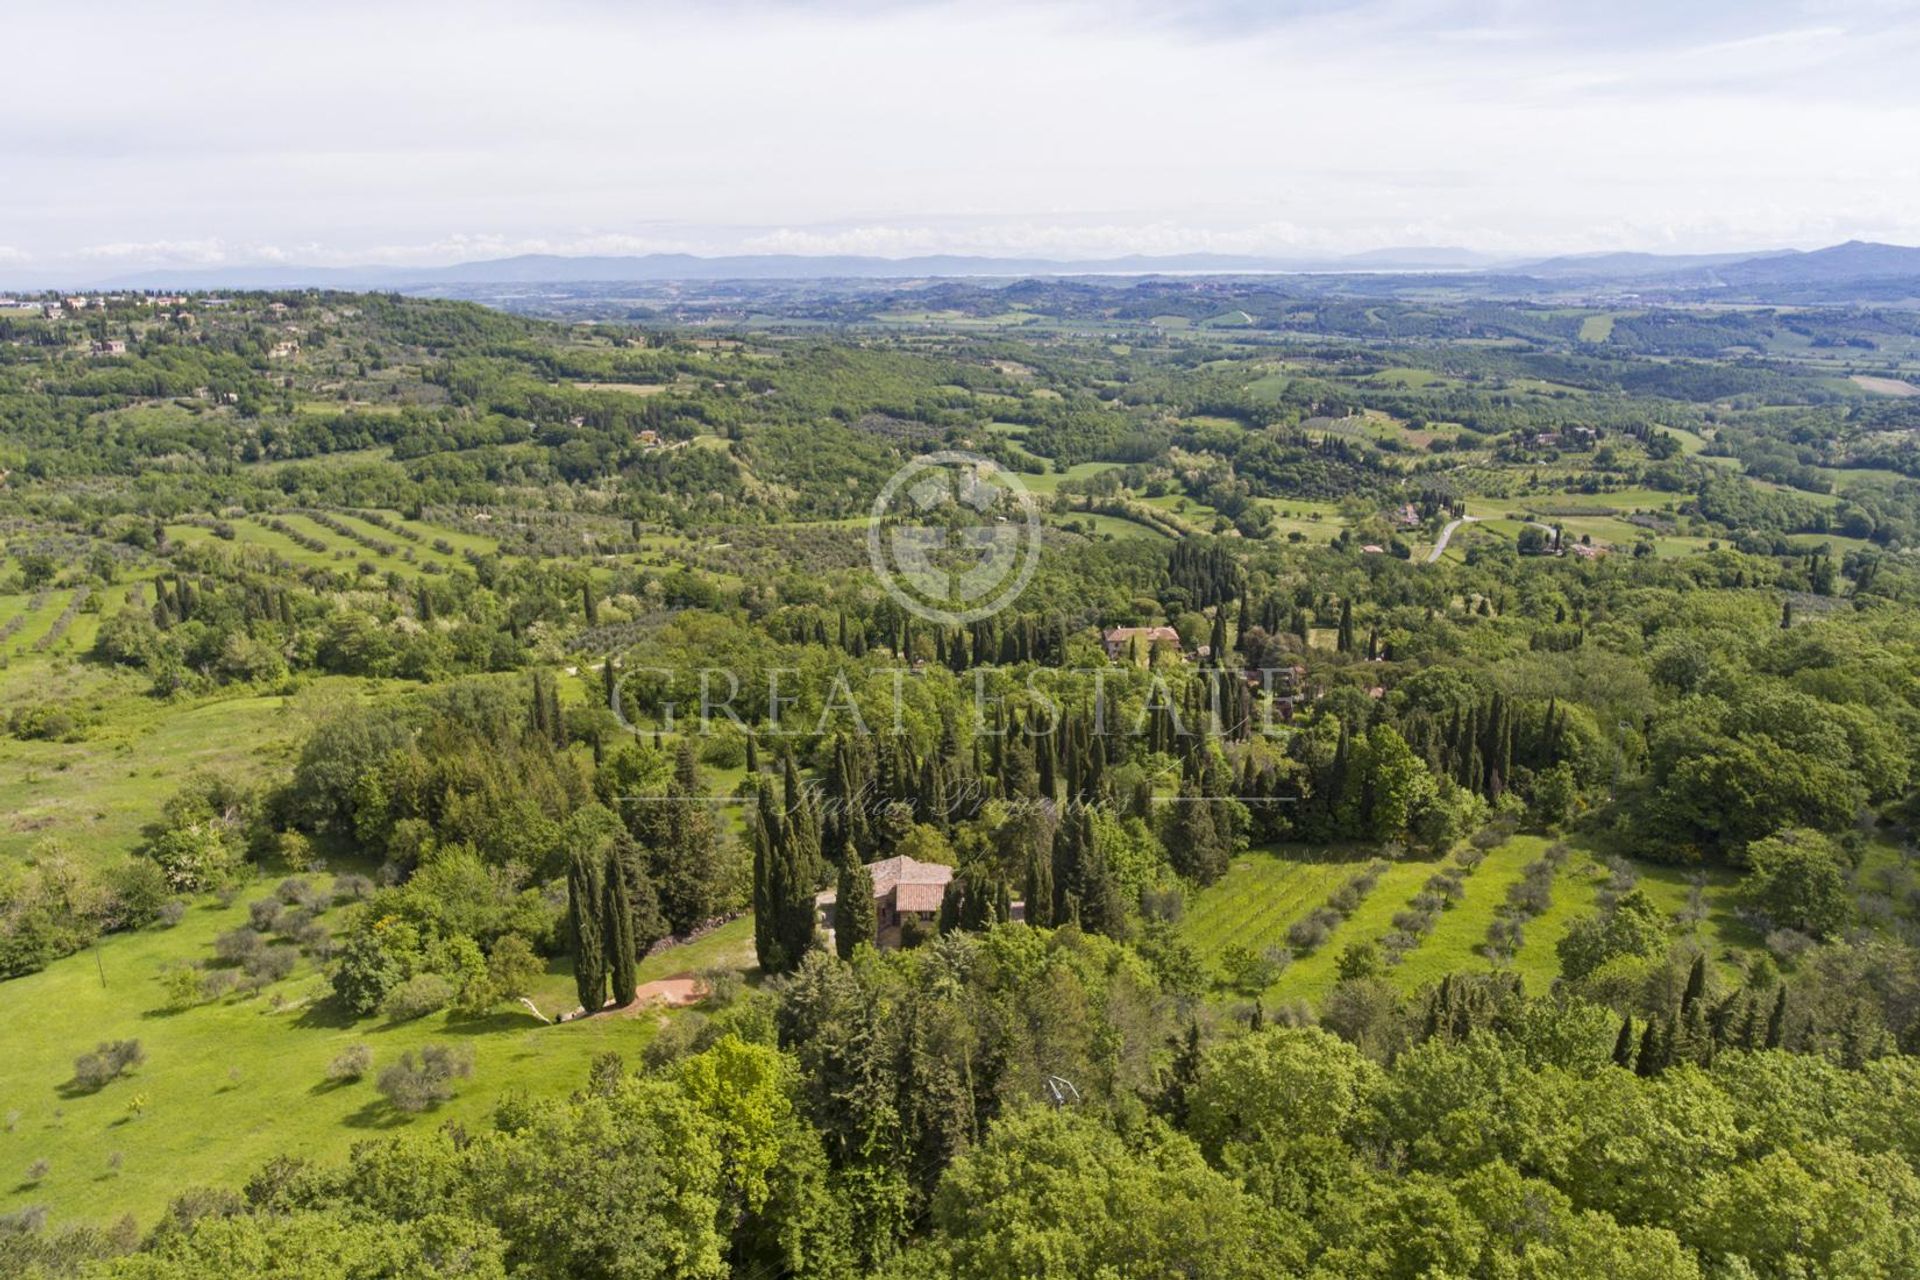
[322, 134]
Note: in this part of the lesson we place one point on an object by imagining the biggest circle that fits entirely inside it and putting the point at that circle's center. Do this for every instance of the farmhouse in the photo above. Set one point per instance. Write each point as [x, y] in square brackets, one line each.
[1117, 639]
[902, 888]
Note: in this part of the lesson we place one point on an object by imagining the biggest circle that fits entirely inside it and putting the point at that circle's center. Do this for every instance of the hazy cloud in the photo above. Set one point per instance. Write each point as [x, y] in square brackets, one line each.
[214, 131]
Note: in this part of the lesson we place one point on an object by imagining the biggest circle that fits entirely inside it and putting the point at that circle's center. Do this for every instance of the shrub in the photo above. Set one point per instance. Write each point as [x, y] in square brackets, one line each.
[351, 888]
[172, 913]
[236, 946]
[182, 986]
[39, 1169]
[351, 1063]
[196, 856]
[1415, 920]
[270, 964]
[1358, 960]
[139, 891]
[1250, 972]
[215, 983]
[414, 1086]
[723, 986]
[301, 929]
[1307, 934]
[418, 996]
[295, 850]
[264, 914]
[1789, 944]
[107, 1062]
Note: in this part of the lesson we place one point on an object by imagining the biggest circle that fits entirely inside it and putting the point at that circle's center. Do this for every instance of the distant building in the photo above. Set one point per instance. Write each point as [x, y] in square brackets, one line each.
[1374, 549]
[902, 888]
[1116, 640]
[111, 347]
[1409, 515]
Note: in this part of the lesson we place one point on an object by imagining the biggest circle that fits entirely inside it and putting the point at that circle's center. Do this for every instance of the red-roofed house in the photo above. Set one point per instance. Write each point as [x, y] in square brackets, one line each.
[901, 887]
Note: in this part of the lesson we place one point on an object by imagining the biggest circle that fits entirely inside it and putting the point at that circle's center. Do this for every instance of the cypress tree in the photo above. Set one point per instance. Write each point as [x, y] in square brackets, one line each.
[1696, 985]
[685, 864]
[616, 928]
[584, 931]
[1182, 1075]
[541, 727]
[1623, 1044]
[648, 926]
[1101, 908]
[766, 839]
[1777, 1021]
[1194, 845]
[854, 920]
[1647, 1063]
[1748, 1036]
[794, 889]
[1068, 855]
[1039, 888]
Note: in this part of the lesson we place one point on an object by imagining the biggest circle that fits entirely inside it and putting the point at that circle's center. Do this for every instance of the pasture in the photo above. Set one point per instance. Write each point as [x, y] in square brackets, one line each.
[260, 1061]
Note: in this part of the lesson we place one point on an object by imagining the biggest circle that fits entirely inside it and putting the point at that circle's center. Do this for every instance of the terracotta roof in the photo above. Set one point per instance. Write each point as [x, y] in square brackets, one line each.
[919, 897]
[1153, 635]
[905, 871]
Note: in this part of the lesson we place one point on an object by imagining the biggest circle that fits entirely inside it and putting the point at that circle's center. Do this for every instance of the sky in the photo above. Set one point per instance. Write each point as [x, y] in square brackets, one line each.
[209, 132]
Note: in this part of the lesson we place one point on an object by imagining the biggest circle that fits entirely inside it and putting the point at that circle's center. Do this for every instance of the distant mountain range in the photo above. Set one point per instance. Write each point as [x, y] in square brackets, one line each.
[555, 269]
[1877, 271]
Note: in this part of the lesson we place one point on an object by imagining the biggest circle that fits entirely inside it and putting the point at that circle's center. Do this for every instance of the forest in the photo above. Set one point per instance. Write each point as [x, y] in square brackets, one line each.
[1443, 805]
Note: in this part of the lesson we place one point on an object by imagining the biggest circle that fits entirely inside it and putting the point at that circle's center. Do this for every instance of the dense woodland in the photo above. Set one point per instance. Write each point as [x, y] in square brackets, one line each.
[1452, 583]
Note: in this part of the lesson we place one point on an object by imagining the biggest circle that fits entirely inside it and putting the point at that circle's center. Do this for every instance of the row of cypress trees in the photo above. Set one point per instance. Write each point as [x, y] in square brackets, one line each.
[613, 919]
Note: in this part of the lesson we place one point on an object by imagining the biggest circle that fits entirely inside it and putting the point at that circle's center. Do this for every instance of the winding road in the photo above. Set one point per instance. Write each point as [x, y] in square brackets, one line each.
[1439, 548]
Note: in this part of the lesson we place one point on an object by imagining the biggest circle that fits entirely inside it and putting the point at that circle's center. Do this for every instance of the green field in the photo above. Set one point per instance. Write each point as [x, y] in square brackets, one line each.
[97, 794]
[1262, 894]
[1265, 891]
[260, 1061]
[1051, 481]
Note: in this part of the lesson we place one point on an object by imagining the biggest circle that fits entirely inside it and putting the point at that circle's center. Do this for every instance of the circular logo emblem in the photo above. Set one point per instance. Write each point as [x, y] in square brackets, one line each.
[954, 537]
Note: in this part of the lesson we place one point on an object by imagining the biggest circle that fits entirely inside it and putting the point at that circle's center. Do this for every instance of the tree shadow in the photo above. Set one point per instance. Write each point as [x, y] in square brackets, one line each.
[327, 1014]
[488, 1023]
[78, 1088]
[168, 1011]
[378, 1114]
[331, 1085]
